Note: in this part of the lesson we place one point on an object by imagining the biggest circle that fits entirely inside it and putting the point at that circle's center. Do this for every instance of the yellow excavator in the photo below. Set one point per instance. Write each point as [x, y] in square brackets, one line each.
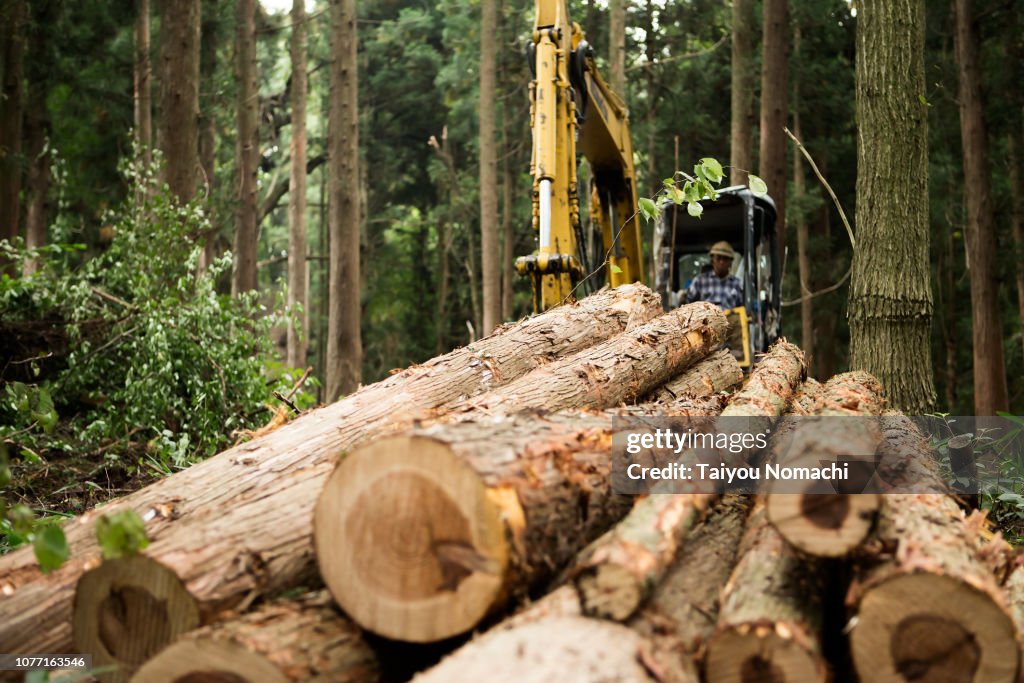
[573, 111]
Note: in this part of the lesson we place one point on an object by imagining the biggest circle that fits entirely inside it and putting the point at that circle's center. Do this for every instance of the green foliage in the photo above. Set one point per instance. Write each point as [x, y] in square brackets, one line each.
[707, 173]
[121, 534]
[51, 548]
[148, 365]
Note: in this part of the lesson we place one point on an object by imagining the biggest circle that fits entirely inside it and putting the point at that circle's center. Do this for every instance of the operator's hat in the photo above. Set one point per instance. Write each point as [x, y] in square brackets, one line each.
[722, 248]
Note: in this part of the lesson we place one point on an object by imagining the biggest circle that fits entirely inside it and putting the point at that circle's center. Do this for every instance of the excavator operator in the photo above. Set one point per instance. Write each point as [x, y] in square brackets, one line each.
[718, 285]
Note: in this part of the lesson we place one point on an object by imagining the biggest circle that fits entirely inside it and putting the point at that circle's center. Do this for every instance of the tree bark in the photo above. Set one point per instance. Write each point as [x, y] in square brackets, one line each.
[617, 46]
[247, 151]
[927, 606]
[11, 112]
[672, 626]
[802, 238]
[771, 617]
[890, 305]
[621, 369]
[209, 41]
[298, 327]
[774, 108]
[269, 557]
[344, 338]
[178, 125]
[1017, 216]
[143, 84]
[742, 94]
[421, 536]
[619, 570]
[720, 371]
[489, 245]
[830, 522]
[37, 133]
[286, 641]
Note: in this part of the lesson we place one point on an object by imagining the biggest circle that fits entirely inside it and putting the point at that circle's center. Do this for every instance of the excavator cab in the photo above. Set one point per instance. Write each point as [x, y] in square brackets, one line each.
[747, 222]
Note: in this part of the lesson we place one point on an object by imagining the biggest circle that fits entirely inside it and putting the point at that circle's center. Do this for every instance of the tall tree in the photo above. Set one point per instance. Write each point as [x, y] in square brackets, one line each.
[742, 94]
[890, 305]
[990, 392]
[209, 44]
[38, 126]
[143, 83]
[617, 46]
[344, 340]
[11, 111]
[774, 93]
[489, 245]
[298, 329]
[1017, 212]
[178, 125]
[803, 262]
[247, 150]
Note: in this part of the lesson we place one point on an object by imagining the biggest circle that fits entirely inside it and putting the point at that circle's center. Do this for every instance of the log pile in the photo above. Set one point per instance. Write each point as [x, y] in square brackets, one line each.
[475, 494]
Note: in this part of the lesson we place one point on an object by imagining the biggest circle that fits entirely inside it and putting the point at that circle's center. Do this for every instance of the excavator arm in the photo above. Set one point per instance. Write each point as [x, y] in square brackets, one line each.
[572, 111]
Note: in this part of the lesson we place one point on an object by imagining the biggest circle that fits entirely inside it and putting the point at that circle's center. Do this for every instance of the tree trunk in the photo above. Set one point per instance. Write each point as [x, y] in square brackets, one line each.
[802, 238]
[143, 84]
[178, 126]
[421, 536]
[305, 639]
[673, 624]
[620, 569]
[209, 41]
[618, 370]
[890, 304]
[247, 151]
[927, 607]
[508, 233]
[489, 244]
[11, 106]
[298, 328]
[990, 390]
[37, 132]
[774, 107]
[344, 337]
[742, 94]
[617, 46]
[472, 275]
[1017, 215]
[771, 617]
[720, 371]
[831, 522]
[263, 561]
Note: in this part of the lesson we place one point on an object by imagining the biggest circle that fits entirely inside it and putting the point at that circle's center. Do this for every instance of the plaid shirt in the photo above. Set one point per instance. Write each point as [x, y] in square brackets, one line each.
[725, 292]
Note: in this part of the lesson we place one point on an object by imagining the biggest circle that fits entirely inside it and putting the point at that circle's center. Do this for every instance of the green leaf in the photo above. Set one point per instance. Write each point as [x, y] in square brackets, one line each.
[648, 208]
[922, 100]
[757, 186]
[669, 182]
[615, 269]
[121, 534]
[712, 169]
[676, 195]
[694, 209]
[51, 548]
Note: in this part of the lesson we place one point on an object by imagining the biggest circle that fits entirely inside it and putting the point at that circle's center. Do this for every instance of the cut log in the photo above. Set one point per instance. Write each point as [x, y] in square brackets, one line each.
[769, 624]
[805, 398]
[621, 568]
[422, 535]
[619, 370]
[306, 639]
[926, 605]
[718, 372]
[236, 498]
[829, 519]
[671, 627]
[906, 463]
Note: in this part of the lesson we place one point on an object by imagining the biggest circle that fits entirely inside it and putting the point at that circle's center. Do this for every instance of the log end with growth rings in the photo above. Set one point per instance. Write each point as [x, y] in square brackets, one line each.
[126, 610]
[772, 652]
[410, 542]
[827, 525]
[221, 662]
[932, 628]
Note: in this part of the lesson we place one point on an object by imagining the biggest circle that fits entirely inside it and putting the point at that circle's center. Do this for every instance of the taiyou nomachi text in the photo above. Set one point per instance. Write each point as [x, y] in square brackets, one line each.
[836, 471]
